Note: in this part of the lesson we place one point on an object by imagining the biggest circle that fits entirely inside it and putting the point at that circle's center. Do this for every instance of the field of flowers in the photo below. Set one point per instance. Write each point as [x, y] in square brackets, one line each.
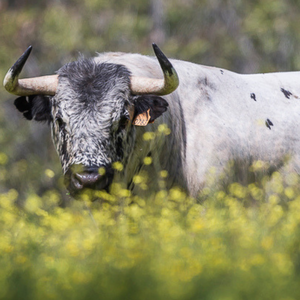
[242, 244]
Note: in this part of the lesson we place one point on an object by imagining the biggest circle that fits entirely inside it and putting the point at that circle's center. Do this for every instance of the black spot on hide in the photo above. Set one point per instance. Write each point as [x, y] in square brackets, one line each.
[286, 93]
[269, 123]
[253, 96]
[222, 72]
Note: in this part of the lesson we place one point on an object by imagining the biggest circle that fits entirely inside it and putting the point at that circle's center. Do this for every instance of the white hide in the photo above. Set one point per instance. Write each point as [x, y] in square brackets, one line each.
[217, 116]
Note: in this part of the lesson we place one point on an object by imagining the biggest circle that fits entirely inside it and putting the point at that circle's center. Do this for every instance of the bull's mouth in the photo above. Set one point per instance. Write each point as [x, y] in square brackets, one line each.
[79, 179]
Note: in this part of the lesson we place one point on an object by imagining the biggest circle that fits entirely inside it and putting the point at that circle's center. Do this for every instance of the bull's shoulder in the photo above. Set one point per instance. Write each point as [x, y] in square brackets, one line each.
[138, 65]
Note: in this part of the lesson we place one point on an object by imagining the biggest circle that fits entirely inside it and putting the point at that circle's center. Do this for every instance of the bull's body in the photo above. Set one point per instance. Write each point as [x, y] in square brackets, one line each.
[215, 116]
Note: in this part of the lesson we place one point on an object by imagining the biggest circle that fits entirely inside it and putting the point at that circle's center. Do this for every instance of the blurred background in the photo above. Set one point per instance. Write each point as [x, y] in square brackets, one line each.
[243, 36]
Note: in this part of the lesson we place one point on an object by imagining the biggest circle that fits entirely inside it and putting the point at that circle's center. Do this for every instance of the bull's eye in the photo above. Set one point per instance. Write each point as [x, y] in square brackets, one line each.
[123, 123]
[59, 121]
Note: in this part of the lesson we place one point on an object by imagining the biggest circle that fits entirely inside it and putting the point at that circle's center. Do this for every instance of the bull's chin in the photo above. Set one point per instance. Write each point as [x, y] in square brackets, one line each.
[90, 191]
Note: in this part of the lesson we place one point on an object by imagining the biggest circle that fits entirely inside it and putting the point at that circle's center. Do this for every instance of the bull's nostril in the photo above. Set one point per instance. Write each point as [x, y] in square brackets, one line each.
[85, 179]
[76, 181]
[79, 178]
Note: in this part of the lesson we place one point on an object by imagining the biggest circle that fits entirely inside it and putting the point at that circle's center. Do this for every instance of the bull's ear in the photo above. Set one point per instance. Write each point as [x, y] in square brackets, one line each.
[35, 107]
[147, 108]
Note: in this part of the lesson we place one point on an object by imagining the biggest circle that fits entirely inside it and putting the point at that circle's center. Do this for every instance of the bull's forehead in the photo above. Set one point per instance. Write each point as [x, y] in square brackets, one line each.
[87, 88]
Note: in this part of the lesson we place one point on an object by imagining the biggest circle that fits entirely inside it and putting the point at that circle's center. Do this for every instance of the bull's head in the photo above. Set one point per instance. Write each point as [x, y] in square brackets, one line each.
[92, 108]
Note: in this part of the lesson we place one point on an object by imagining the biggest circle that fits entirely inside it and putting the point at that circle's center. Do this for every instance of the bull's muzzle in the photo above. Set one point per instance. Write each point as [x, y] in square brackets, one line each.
[79, 178]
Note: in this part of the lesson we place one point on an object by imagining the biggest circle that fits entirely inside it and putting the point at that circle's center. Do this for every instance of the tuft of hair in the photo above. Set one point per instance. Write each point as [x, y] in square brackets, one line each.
[92, 81]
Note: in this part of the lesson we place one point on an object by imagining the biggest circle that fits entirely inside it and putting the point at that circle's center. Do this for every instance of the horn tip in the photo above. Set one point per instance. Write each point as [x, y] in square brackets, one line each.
[10, 81]
[163, 60]
[154, 46]
[27, 52]
[157, 51]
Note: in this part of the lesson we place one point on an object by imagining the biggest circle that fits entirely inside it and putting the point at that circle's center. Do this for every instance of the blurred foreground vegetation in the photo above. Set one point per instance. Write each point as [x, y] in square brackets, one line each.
[243, 244]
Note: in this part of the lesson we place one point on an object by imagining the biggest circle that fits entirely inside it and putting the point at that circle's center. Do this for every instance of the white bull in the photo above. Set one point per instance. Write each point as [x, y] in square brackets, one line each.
[216, 117]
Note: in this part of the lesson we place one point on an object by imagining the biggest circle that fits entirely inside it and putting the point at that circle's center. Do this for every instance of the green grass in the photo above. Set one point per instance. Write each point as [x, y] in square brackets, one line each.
[243, 244]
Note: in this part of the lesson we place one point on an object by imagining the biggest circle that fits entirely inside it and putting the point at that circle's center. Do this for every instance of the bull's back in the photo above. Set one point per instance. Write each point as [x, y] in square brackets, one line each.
[218, 116]
[232, 117]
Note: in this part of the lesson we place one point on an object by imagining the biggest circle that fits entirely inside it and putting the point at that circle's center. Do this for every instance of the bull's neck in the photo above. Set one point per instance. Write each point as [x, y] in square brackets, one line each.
[163, 142]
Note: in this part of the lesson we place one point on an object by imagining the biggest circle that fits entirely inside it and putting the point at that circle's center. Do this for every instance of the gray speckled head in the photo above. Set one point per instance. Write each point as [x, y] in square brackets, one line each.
[88, 110]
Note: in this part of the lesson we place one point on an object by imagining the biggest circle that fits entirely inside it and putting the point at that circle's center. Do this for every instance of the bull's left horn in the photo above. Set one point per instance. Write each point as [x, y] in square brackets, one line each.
[44, 85]
[141, 85]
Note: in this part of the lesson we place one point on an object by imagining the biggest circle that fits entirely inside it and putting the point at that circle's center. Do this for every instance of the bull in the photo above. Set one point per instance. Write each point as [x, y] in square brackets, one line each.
[100, 109]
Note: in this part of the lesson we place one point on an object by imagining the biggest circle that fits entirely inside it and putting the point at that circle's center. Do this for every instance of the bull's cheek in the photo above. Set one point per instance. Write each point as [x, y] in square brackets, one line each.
[128, 146]
[62, 148]
[54, 135]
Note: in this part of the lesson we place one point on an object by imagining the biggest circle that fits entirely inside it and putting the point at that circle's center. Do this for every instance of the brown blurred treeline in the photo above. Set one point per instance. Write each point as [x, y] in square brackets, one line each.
[244, 36]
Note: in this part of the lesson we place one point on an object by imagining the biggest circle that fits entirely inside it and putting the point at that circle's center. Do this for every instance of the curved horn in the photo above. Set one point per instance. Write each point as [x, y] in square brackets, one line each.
[44, 85]
[141, 85]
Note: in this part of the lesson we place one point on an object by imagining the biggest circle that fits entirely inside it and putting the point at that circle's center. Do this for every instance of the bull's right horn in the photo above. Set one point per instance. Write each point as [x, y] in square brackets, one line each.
[142, 85]
[44, 85]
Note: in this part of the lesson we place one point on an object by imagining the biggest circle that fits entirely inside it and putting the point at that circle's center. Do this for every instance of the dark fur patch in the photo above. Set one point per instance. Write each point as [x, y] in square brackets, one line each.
[92, 81]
